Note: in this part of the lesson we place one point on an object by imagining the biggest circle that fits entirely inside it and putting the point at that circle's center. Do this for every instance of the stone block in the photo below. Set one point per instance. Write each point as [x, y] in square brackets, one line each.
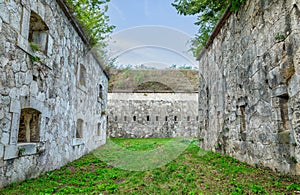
[34, 88]
[284, 137]
[5, 138]
[2, 115]
[24, 2]
[23, 43]
[14, 128]
[24, 91]
[279, 91]
[38, 105]
[34, 6]
[1, 24]
[15, 106]
[5, 124]
[15, 20]
[5, 100]
[3, 61]
[4, 14]
[77, 141]
[298, 169]
[24, 25]
[294, 87]
[1, 151]
[27, 148]
[14, 93]
[10, 152]
[41, 10]
[50, 46]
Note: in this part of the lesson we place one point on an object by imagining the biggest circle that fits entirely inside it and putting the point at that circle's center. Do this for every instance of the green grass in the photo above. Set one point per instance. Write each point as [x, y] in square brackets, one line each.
[194, 171]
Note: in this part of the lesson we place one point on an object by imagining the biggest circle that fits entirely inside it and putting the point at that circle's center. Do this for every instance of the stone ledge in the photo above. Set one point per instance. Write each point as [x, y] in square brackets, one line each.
[27, 149]
[77, 142]
[10, 152]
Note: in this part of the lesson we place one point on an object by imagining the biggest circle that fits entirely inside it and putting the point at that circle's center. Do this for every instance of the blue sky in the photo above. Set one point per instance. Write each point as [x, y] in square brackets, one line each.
[150, 32]
[130, 13]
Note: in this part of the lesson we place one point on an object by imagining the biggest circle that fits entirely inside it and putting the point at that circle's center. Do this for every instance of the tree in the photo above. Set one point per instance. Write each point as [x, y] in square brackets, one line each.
[209, 13]
[91, 16]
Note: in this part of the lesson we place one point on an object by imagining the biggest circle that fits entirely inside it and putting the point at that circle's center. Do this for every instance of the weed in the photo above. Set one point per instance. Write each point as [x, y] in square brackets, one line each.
[257, 189]
[280, 37]
[293, 159]
[21, 150]
[293, 187]
[34, 46]
[35, 59]
[138, 77]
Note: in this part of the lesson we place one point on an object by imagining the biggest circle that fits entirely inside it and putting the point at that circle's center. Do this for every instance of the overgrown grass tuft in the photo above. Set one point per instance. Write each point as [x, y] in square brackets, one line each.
[194, 172]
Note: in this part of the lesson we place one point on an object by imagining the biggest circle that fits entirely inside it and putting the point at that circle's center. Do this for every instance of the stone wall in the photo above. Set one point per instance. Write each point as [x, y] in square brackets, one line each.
[249, 86]
[52, 90]
[145, 115]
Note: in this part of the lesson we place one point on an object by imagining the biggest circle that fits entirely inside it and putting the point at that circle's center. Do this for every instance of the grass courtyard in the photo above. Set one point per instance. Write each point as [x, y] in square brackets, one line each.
[156, 166]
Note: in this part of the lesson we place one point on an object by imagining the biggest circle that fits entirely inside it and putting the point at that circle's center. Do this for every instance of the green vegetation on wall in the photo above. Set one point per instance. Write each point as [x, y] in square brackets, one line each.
[209, 13]
[92, 16]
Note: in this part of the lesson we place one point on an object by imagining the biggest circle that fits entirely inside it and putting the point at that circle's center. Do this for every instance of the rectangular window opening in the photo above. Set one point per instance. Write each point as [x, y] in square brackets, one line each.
[29, 128]
[243, 119]
[284, 113]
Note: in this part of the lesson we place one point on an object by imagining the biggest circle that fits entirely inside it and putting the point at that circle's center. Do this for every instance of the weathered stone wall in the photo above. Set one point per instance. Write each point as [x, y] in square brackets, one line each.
[51, 108]
[249, 86]
[144, 115]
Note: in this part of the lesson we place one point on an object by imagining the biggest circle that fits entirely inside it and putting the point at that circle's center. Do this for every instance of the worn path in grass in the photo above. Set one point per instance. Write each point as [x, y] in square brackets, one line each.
[173, 167]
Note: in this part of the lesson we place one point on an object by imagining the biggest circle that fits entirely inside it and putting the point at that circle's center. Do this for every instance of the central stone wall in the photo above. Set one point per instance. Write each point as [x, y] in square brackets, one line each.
[144, 115]
[250, 85]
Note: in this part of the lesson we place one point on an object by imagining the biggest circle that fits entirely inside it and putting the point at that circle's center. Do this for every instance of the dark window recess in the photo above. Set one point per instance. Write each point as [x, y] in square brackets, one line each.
[82, 75]
[125, 118]
[79, 128]
[156, 118]
[38, 33]
[100, 91]
[284, 113]
[166, 118]
[243, 119]
[175, 118]
[148, 118]
[134, 118]
[99, 129]
[29, 128]
[188, 118]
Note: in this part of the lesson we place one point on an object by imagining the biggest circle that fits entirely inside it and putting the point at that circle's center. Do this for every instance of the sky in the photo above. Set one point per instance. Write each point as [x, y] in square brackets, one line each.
[150, 32]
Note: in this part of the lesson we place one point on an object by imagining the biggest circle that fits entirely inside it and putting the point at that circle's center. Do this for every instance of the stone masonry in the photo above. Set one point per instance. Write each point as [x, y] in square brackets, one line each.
[145, 115]
[53, 91]
[249, 90]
